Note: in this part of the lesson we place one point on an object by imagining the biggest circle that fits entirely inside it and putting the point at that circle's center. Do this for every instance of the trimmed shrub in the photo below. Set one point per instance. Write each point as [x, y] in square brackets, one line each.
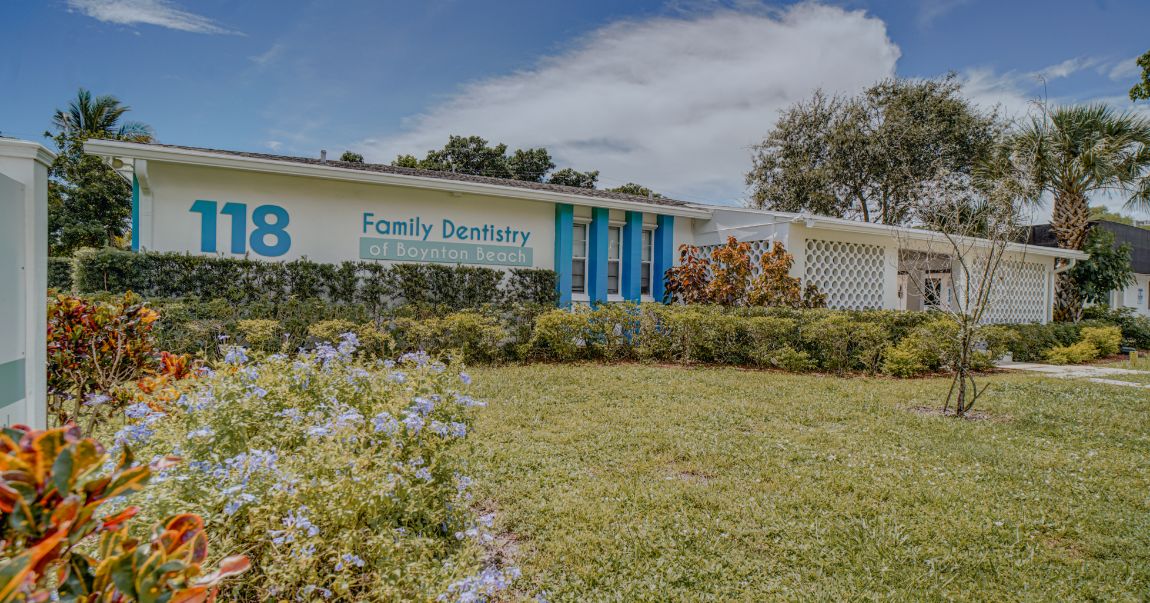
[476, 337]
[375, 286]
[768, 336]
[1076, 353]
[840, 344]
[260, 334]
[559, 335]
[1108, 340]
[903, 361]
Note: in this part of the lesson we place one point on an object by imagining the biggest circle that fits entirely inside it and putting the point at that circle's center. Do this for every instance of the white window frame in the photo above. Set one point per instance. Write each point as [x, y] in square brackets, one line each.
[618, 229]
[586, 225]
[647, 267]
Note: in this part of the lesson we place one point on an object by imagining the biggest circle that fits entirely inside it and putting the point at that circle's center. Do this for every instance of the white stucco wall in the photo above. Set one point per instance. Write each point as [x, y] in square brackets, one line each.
[1136, 296]
[326, 216]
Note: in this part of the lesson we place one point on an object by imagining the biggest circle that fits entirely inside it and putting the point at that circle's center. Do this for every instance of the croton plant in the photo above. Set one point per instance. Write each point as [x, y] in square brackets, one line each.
[55, 544]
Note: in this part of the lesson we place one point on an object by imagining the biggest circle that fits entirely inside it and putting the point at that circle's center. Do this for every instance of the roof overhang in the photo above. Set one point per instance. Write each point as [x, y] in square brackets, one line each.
[129, 151]
[14, 147]
[929, 236]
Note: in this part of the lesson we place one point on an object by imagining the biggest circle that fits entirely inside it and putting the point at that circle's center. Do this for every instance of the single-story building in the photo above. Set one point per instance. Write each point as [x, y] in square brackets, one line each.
[605, 246]
[1137, 295]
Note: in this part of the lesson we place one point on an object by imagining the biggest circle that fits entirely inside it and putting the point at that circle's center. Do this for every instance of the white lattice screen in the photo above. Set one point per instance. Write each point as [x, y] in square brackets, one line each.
[851, 274]
[758, 248]
[1019, 293]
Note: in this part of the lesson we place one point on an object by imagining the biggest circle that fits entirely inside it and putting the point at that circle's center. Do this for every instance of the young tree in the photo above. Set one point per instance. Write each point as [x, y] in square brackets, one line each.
[972, 252]
[1073, 153]
[351, 157]
[1107, 269]
[874, 156]
[89, 205]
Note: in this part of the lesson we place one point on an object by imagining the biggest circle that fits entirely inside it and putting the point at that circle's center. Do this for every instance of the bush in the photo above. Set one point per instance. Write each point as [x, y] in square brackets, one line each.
[343, 483]
[1108, 340]
[768, 336]
[1135, 327]
[840, 344]
[903, 361]
[477, 337]
[375, 286]
[1076, 353]
[260, 333]
[559, 335]
[371, 341]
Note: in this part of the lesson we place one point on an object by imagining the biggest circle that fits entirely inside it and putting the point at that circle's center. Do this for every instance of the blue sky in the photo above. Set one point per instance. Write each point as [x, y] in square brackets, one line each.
[667, 93]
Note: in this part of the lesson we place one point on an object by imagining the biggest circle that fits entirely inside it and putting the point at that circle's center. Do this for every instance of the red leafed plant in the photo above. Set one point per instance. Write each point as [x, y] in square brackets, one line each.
[52, 483]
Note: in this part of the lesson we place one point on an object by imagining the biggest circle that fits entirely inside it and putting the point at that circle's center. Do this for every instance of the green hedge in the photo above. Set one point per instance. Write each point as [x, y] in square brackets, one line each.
[374, 286]
[60, 274]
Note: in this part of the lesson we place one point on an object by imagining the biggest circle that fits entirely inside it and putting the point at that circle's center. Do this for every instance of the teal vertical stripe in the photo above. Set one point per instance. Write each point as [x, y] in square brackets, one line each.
[564, 235]
[632, 285]
[11, 381]
[664, 255]
[597, 262]
[135, 214]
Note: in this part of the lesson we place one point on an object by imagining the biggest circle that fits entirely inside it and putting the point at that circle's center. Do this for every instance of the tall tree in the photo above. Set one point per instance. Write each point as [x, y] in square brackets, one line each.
[88, 203]
[873, 156]
[1072, 153]
[473, 155]
[570, 177]
[1141, 90]
[636, 189]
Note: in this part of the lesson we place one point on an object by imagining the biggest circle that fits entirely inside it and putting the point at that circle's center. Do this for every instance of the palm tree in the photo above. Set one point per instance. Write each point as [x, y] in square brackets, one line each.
[1074, 152]
[99, 117]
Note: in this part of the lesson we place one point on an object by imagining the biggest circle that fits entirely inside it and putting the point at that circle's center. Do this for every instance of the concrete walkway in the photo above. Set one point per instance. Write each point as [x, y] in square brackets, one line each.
[1093, 374]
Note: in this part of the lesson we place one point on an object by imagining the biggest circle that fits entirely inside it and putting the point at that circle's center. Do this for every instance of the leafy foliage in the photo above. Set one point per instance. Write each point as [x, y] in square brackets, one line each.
[638, 190]
[877, 156]
[93, 348]
[374, 285]
[1141, 90]
[53, 484]
[726, 278]
[1106, 269]
[577, 179]
[351, 157]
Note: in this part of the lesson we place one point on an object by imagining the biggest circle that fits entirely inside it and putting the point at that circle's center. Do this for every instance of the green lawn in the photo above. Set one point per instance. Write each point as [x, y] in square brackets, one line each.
[658, 483]
[1142, 363]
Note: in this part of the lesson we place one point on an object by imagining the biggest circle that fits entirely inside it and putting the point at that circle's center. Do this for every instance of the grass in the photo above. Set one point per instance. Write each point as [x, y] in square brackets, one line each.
[716, 484]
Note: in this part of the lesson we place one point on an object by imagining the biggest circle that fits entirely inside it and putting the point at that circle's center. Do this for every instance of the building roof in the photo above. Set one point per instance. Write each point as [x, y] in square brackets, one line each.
[1137, 238]
[132, 149]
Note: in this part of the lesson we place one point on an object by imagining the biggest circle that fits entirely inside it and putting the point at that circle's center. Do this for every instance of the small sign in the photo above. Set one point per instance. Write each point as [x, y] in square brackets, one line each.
[406, 250]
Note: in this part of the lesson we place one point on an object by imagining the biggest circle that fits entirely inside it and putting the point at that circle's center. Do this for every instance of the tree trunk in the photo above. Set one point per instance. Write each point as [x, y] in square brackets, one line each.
[1070, 222]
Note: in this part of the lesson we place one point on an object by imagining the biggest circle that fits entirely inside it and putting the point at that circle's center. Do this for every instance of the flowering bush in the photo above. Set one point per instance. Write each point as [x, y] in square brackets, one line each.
[52, 485]
[340, 480]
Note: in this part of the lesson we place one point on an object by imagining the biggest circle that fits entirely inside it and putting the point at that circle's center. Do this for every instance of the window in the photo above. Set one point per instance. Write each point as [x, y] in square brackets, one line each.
[579, 259]
[614, 258]
[932, 292]
[645, 269]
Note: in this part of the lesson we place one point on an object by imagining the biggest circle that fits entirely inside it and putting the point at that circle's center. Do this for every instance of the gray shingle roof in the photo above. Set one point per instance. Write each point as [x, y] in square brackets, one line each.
[1137, 238]
[390, 169]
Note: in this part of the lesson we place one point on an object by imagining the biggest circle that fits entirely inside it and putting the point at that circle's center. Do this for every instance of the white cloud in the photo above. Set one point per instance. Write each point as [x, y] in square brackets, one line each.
[1125, 70]
[161, 13]
[274, 145]
[672, 103]
[268, 56]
